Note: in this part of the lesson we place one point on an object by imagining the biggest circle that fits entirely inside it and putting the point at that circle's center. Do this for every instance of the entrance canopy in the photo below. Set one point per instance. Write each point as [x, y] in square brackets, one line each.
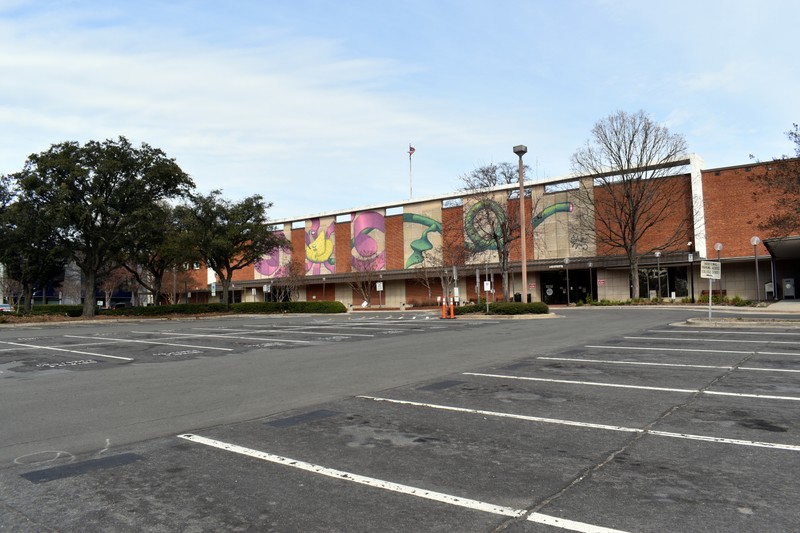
[784, 247]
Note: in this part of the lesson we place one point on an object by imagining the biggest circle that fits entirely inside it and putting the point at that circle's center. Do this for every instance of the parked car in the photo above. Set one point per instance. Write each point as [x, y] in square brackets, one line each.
[119, 306]
[6, 308]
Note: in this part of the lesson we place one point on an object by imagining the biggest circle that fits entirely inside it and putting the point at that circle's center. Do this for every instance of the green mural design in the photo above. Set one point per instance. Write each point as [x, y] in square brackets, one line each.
[478, 240]
[560, 207]
[421, 245]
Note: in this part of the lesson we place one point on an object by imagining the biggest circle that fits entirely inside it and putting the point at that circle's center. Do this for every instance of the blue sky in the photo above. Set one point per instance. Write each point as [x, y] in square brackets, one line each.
[313, 104]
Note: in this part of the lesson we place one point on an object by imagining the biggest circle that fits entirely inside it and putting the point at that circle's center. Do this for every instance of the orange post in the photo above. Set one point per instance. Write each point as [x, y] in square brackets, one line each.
[444, 309]
[452, 309]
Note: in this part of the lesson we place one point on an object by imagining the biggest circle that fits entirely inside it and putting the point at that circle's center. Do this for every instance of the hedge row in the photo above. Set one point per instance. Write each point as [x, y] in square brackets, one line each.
[197, 309]
[245, 307]
[60, 310]
[505, 308]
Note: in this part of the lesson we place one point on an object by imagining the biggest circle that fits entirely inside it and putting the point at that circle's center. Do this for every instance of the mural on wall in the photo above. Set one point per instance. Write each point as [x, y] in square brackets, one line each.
[368, 246]
[560, 207]
[422, 234]
[276, 264]
[479, 215]
[559, 228]
[320, 246]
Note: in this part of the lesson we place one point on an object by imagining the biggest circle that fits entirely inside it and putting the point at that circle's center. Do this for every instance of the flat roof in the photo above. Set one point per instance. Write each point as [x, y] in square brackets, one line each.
[684, 160]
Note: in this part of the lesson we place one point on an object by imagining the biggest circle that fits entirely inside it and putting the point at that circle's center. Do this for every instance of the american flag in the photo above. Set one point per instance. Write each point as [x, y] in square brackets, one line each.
[411, 150]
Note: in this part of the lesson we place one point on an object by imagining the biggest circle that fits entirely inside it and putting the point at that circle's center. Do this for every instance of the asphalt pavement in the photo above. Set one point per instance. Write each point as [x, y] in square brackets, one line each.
[598, 419]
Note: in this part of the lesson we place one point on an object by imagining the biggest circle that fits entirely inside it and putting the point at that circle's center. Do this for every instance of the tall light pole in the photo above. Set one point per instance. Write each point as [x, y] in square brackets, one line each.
[691, 268]
[718, 248]
[566, 264]
[521, 150]
[755, 242]
[658, 263]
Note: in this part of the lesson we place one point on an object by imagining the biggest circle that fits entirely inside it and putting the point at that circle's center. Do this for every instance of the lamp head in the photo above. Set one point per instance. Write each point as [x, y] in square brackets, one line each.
[520, 150]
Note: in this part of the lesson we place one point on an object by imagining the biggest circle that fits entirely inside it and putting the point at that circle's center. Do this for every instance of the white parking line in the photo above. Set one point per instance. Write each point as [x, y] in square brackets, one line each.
[361, 325]
[589, 425]
[355, 478]
[725, 331]
[737, 341]
[68, 351]
[677, 365]
[608, 362]
[570, 525]
[402, 489]
[590, 383]
[650, 348]
[198, 335]
[283, 331]
[638, 387]
[107, 340]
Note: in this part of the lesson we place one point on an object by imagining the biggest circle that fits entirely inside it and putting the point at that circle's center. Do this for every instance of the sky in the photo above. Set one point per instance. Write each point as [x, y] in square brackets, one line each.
[313, 104]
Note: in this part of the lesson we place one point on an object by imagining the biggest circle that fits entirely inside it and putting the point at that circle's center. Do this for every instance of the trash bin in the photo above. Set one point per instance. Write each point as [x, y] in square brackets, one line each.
[788, 288]
[517, 297]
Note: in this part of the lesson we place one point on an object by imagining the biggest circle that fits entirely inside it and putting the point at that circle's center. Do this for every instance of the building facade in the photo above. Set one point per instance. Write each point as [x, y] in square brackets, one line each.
[402, 254]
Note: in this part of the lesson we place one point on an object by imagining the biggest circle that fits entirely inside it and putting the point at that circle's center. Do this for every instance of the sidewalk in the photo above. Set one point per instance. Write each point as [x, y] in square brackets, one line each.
[782, 307]
[785, 306]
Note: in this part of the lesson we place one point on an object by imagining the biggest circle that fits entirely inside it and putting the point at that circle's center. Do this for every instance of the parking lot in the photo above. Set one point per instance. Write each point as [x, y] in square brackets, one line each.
[666, 427]
[41, 349]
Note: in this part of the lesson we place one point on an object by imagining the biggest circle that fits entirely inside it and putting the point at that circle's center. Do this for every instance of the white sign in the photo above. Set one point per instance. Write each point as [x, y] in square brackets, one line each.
[710, 270]
[213, 289]
[379, 286]
[487, 286]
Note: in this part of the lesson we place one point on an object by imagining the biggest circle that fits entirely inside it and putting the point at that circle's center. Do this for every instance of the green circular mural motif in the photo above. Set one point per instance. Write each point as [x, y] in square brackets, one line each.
[479, 241]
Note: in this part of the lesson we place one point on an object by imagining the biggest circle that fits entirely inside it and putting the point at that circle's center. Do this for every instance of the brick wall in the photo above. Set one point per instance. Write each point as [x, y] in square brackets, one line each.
[343, 238]
[394, 242]
[453, 230]
[733, 210]
[417, 293]
[299, 246]
[656, 237]
[516, 245]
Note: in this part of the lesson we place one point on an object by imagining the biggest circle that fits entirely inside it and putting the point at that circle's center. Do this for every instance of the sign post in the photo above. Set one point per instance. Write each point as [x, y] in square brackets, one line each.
[710, 270]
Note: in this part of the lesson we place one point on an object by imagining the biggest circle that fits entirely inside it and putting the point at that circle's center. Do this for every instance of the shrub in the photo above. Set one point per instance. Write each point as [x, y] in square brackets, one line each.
[467, 309]
[738, 301]
[505, 308]
[61, 310]
[245, 307]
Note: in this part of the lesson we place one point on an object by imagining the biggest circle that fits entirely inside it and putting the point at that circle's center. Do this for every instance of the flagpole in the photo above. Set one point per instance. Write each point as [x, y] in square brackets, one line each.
[410, 174]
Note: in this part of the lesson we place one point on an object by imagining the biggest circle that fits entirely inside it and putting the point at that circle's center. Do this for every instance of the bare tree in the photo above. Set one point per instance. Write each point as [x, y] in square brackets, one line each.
[287, 288]
[630, 159]
[365, 274]
[425, 274]
[10, 290]
[454, 255]
[436, 266]
[781, 182]
[177, 284]
[490, 223]
[112, 281]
